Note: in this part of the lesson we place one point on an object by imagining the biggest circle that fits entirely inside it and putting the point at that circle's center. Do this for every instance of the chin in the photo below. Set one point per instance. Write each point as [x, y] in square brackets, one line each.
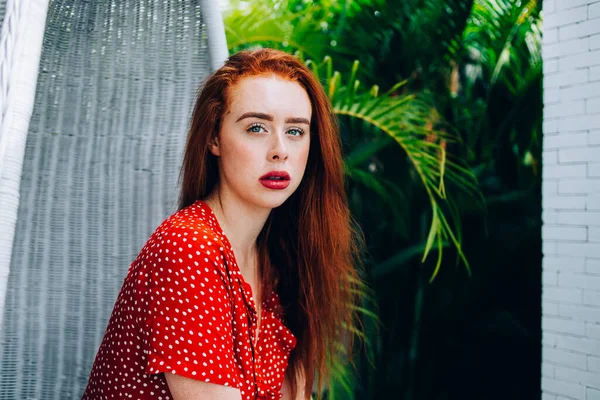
[273, 199]
[272, 203]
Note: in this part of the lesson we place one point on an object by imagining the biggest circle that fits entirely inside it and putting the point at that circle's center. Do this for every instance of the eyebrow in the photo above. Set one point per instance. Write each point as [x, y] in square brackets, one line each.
[268, 117]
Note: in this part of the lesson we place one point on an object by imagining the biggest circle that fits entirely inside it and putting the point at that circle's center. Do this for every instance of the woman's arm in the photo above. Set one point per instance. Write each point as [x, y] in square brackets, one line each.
[183, 388]
[286, 390]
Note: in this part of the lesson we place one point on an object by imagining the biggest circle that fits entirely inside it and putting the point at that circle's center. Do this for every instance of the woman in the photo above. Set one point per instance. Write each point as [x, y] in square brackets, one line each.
[242, 293]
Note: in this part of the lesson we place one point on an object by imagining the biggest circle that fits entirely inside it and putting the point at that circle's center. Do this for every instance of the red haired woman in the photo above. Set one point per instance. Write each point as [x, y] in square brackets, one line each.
[243, 292]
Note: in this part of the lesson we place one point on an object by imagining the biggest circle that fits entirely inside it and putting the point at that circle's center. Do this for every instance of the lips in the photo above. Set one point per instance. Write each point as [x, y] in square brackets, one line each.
[276, 180]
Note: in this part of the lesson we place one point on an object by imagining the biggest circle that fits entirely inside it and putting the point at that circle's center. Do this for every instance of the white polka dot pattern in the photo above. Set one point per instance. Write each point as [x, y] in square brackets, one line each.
[185, 308]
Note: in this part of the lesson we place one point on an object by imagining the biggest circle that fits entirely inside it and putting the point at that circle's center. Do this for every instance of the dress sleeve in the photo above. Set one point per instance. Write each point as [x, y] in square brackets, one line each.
[188, 321]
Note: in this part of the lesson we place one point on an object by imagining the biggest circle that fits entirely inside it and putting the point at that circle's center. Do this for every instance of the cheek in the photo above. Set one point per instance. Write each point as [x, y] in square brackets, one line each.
[303, 156]
[237, 156]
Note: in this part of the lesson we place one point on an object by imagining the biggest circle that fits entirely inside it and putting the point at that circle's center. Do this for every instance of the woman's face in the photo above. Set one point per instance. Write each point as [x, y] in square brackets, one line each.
[264, 140]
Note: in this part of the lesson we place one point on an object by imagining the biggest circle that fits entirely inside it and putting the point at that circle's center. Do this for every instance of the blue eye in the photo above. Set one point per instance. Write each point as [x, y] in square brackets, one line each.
[255, 128]
[296, 132]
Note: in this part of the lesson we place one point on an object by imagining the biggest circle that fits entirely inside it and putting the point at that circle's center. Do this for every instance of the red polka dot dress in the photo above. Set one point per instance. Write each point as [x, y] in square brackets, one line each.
[184, 308]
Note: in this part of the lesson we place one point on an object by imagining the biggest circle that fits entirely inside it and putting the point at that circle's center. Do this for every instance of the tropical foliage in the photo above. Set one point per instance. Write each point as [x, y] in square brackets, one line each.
[439, 102]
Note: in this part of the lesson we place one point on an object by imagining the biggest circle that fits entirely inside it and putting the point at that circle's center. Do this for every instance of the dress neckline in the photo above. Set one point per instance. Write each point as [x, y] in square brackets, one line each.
[246, 287]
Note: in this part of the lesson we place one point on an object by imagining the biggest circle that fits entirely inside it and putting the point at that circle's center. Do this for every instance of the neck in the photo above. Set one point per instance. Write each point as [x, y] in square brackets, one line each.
[241, 223]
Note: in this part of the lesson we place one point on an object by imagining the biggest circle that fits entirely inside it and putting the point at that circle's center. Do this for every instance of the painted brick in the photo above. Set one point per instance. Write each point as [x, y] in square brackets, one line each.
[548, 370]
[579, 123]
[549, 310]
[562, 295]
[564, 357]
[564, 171]
[562, 232]
[549, 278]
[549, 217]
[549, 188]
[551, 95]
[565, 263]
[586, 185]
[580, 313]
[565, 4]
[566, 388]
[592, 105]
[592, 298]
[579, 217]
[581, 60]
[550, 339]
[562, 141]
[559, 397]
[594, 138]
[585, 249]
[594, 73]
[582, 29]
[593, 203]
[576, 376]
[571, 200]
[565, 202]
[592, 266]
[550, 36]
[593, 234]
[549, 247]
[595, 42]
[592, 330]
[566, 17]
[550, 66]
[566, 109]
[549, 52]
[593, 364]
[550, 157]
[580, 154]
[564, 325]
[593, 393]
[575, 280]
[579, 345]
[550, 126]
[593, 170]
[567, 47]
[594, 11]
[581, 91]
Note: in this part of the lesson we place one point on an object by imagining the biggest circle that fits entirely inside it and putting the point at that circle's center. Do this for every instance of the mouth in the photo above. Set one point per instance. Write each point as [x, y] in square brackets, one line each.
[276, 180]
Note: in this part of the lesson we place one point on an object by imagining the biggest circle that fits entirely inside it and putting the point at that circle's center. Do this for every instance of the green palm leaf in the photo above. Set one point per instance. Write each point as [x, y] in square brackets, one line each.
[303, 31]
[503, 42]
[404, 119]
[505, 36]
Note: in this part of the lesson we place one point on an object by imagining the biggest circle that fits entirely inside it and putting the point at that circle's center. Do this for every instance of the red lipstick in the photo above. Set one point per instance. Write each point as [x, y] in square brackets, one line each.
[277, 180]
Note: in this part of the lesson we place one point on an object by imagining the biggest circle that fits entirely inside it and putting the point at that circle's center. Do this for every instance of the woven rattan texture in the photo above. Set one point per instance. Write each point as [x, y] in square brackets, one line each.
[114, 94]
[2, 11]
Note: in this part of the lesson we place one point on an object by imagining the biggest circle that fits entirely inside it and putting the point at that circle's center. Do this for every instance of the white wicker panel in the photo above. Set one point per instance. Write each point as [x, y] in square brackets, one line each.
[215, 30]
[115, 91]
[2, 10]
[20, 47]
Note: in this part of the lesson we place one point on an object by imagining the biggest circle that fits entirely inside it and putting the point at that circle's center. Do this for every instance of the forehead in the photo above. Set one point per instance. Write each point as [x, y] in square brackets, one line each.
[269, 94]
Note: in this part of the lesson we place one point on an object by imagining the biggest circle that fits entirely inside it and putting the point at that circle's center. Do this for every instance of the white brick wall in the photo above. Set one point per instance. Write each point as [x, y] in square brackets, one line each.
[571, 201]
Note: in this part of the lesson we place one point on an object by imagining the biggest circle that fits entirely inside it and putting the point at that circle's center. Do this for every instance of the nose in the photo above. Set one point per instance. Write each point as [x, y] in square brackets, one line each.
[278, 150]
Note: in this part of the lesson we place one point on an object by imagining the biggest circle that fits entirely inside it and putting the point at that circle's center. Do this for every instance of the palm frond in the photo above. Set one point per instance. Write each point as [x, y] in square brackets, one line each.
[505, 36]
[304, 30]
[403, 118]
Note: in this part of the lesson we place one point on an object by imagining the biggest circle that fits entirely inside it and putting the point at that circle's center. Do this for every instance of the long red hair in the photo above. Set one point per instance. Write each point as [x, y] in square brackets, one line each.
[308, 247]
